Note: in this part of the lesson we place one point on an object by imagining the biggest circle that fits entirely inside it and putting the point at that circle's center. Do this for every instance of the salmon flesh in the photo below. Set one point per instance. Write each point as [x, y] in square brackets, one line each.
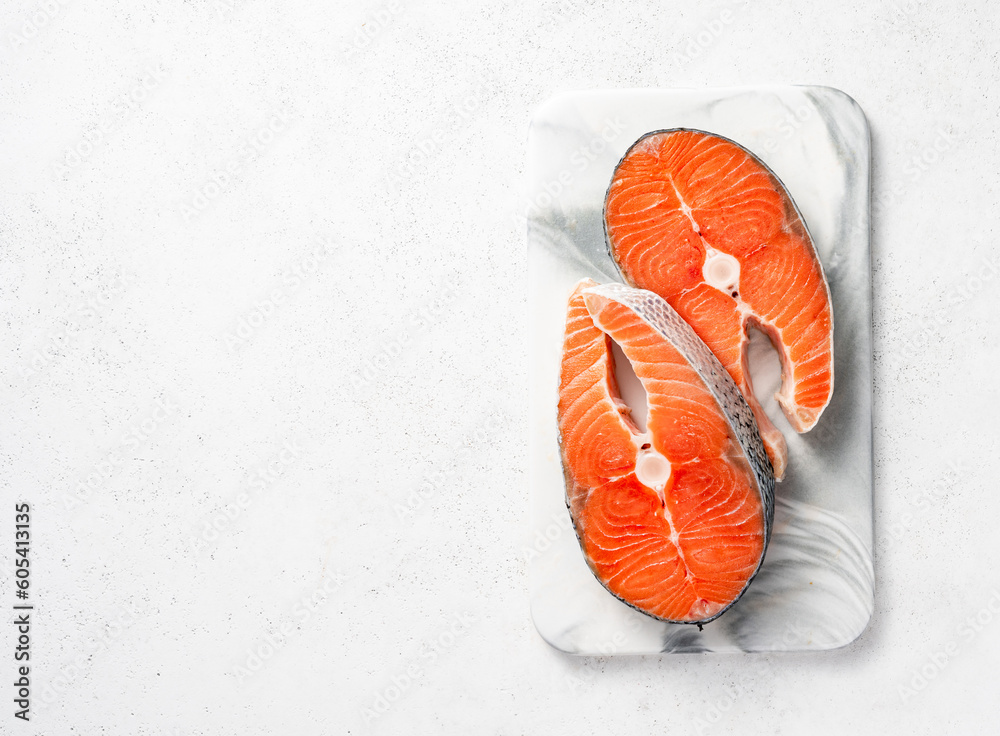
[673, 520]
[699, 220]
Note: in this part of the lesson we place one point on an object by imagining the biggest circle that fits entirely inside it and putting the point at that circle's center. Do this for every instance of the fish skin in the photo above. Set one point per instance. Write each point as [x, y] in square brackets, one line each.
[655, 310]
[801, 418]
[665, 322]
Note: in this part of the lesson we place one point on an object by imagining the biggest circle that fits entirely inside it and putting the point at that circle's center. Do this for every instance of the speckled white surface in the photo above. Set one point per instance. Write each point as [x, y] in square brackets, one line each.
[365, 428]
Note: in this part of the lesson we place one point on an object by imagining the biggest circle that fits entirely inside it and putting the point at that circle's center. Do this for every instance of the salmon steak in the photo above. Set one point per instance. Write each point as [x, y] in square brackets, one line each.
[673, 519]
[703, 223]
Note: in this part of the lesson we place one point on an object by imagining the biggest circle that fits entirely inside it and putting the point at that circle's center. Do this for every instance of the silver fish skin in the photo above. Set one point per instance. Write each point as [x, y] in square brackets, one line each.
[659, 315]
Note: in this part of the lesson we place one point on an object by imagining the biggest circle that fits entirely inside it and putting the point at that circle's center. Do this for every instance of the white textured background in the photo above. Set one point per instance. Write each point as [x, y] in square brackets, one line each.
[380, 204]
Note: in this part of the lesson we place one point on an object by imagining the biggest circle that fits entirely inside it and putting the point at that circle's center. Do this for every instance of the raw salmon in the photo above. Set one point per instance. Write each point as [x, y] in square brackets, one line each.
[674, 520]
[702, 222]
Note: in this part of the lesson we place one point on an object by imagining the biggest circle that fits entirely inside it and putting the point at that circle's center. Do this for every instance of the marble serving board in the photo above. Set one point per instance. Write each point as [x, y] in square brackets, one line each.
[816, 588]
